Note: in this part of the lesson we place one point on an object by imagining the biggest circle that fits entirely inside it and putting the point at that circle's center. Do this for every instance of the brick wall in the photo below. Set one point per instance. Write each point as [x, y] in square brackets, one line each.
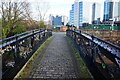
[63, 29]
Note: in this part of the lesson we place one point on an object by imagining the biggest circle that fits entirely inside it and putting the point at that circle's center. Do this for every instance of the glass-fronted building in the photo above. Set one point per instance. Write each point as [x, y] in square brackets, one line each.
[72, 15]
[108, 10]
[93, 11]
[57, 21]
[81, 13]
[85, 12]
[76, 13]
[97, 13]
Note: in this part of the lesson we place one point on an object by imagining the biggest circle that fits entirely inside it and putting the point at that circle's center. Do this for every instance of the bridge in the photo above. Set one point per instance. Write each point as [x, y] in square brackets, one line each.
[59, 55]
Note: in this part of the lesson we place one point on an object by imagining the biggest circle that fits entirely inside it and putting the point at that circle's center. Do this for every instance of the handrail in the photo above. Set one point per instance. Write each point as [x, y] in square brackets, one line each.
[12, 39]
[99, 39]
[107, 42]
[17, 35]
[19, 48]
[95, 51]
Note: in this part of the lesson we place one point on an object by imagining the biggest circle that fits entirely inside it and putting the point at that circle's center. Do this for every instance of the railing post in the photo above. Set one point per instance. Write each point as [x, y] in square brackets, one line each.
[39, 34]
[50, 32]
[75, 36]
[44, 33]
[32, 39]
[92, 47]
[17, 55]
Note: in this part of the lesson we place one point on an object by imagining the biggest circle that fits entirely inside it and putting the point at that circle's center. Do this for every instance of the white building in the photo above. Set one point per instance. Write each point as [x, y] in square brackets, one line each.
[71, 17]
[76, 13]
[85, 12]
[65, 20]
[97, 11]
[116, 11]
[82, 13]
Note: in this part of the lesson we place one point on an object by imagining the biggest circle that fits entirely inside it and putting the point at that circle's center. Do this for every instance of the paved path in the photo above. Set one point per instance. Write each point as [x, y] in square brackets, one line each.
[56, 62]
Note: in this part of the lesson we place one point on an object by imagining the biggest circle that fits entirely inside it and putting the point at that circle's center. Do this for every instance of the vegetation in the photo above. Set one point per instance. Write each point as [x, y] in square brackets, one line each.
[12, 15]
[17, 17]
[42, 24]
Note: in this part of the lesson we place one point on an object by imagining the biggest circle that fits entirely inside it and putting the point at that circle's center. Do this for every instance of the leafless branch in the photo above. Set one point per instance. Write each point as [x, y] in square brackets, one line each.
[13, 12]
[42, 8]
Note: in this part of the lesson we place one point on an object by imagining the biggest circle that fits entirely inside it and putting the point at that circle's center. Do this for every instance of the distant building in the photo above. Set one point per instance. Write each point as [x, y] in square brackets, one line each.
[116, 11]
[81, 13]
[108, 10]
[96, 13]
[58, 21]
[50, 20]
[85, 12]
[111, 10]
[93, 11]
[76, 13]
[64, 20]
[71, 21]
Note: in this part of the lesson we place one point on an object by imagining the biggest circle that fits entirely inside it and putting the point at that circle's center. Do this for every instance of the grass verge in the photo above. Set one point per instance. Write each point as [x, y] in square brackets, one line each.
[26, 68]
[84, 73]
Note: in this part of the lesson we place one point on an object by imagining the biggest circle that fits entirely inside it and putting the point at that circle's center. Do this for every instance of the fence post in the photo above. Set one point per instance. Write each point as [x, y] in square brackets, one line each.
[17, 50]
[32, 39]
[44, 33]
[39, 34]
[92, 47]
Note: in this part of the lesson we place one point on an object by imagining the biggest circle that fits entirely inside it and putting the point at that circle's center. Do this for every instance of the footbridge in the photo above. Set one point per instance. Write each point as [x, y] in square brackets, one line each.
[43, 54]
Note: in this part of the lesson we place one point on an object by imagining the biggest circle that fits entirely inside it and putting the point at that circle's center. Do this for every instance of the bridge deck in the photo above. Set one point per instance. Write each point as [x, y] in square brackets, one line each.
[56, 61]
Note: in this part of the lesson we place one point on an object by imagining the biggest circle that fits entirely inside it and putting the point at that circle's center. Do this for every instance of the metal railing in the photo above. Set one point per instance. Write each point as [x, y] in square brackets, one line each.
[101, 57]
[16, 50]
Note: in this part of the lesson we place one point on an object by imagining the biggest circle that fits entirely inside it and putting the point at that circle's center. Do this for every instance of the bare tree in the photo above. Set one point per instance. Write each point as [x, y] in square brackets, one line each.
[42, 9]
[13, 13]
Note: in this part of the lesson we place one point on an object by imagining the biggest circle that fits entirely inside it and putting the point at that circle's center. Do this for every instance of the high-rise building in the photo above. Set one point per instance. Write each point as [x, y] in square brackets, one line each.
[72, 15]
[93, 11]
[64, 20]
[96, 13]
[76, 13]
[111, 10]
[108, 10]
[81, 13]
[85, 12]
[116, 11]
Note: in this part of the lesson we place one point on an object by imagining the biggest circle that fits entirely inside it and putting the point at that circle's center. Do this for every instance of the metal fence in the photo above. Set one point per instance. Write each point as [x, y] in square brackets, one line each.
[16, 50]
[101, 57]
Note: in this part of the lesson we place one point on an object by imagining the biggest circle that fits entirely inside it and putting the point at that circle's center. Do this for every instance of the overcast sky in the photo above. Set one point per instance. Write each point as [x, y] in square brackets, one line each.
[59, 7]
